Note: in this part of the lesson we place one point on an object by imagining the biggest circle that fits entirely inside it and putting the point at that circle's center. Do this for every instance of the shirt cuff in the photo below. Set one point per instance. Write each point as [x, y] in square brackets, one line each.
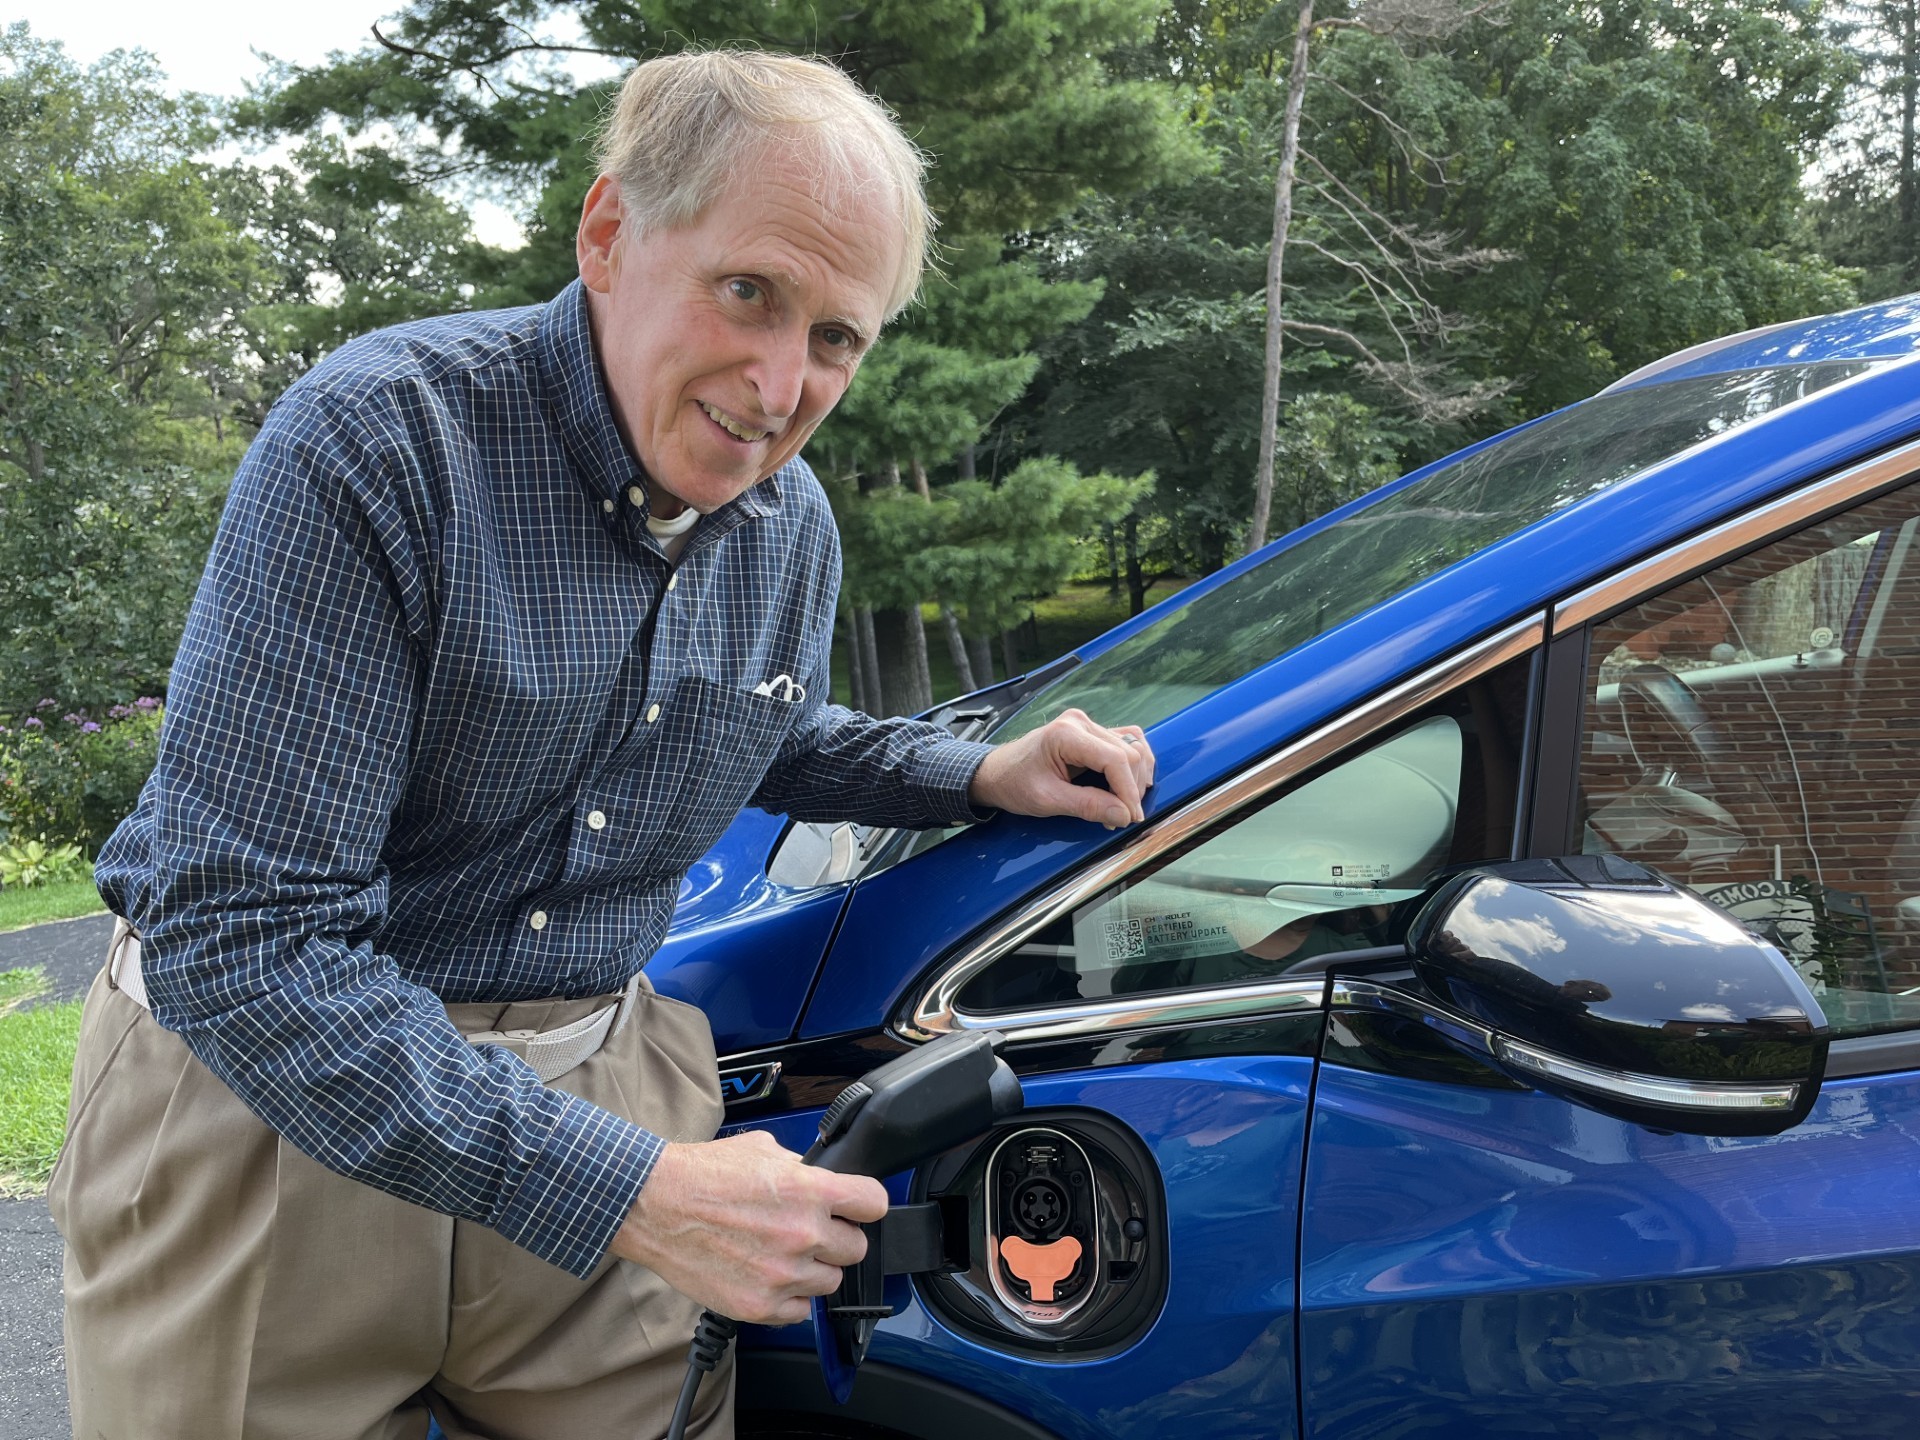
[583, 1183]
[941, 774]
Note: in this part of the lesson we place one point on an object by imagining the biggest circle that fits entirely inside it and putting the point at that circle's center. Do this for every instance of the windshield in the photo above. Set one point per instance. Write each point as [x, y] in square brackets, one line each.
[1334, 574]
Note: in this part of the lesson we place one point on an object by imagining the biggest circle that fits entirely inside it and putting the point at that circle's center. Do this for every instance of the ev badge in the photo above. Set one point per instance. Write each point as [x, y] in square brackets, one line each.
[749, 1082]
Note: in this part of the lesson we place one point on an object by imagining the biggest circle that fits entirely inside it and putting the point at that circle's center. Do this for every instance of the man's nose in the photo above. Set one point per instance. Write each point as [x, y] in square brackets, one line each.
[778, 374]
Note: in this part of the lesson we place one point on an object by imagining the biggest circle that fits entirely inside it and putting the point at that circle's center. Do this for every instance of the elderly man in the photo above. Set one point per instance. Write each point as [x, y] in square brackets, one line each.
[508, 616]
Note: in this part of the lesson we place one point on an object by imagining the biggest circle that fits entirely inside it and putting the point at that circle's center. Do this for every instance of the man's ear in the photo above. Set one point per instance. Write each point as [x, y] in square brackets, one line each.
[601, 220]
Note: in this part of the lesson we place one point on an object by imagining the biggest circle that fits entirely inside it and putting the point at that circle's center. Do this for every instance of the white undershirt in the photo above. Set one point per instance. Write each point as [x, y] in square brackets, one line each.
[672, 534]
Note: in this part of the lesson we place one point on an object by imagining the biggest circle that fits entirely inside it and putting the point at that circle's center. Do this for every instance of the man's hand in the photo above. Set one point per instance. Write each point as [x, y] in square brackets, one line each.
[1034, 774]
[741, 1226]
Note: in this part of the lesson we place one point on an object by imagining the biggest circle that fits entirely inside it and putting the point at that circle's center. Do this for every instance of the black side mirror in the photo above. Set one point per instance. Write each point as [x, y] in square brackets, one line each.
[1606, 984]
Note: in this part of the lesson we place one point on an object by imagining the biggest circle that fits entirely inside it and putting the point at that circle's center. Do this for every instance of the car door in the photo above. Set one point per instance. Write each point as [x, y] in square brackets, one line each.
[1479, 1258]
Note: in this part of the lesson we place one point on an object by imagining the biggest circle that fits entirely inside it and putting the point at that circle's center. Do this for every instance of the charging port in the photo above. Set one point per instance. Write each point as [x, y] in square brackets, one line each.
[1067, 1252]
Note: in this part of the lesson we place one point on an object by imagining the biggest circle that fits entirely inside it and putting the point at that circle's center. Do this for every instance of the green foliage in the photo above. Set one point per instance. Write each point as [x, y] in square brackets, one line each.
[1013, 98]
[986, 550]
[152, 305]
[73, 779]
[1641, 163]
[27, 864]
[351, 244]
[119, 278]
[1624, 179]
[1867, 207]
[1165, 371]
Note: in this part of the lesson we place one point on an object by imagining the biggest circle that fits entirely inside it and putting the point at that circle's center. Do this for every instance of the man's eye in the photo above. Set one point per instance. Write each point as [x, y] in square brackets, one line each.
[745, 290]
[839, 339]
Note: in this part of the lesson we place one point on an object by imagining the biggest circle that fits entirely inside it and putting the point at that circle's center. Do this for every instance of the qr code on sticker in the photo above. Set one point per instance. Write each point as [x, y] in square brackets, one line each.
[1126, 940]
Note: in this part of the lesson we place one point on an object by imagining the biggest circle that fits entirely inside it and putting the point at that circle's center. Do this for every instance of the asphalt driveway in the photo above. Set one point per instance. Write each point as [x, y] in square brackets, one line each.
[71, 951]
[33, 1372]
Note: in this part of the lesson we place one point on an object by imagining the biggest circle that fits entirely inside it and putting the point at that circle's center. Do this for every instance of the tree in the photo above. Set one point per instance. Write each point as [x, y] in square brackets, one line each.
[1386, 257]
[349, 245]
[1635, 168]
[1641, 162]
[981, 551]
[1167, 373]
[1868, 213]
[121, 281]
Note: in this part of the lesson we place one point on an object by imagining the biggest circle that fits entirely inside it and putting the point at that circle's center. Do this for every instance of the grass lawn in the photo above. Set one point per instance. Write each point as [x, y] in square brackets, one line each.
[48, 902]
[36, 1067]
[1064, 621]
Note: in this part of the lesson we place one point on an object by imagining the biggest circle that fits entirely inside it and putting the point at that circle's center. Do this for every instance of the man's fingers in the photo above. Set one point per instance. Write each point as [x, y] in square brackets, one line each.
[854, 1197]
[843, 1244]
[1118, 755]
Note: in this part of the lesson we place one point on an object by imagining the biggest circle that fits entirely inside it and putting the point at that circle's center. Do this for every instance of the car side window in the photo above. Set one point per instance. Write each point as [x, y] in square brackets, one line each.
[1752, 733]
[1333, 862]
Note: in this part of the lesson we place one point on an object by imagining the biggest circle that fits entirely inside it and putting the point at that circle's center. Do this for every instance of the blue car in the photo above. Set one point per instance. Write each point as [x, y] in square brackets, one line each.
[1507, 1019]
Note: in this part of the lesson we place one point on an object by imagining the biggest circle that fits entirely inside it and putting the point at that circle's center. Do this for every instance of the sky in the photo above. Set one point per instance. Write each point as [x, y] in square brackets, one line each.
[210, 45]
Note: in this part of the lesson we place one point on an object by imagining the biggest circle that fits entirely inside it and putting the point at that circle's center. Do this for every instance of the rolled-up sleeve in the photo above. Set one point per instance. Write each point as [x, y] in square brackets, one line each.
[284, 754]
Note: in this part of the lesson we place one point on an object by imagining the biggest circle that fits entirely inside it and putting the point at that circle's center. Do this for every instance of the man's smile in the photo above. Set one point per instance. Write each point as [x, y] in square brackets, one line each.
[732, 426]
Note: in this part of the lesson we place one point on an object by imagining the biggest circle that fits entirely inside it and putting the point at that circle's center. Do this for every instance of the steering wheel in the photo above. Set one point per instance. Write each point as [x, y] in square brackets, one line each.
[1657, 691]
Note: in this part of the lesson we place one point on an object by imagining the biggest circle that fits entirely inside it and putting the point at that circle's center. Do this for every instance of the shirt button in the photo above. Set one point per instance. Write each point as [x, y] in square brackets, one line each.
[597, 820]
[607, 505]
[636, 495]
[653, 713]
[538, 920]
[673, 580]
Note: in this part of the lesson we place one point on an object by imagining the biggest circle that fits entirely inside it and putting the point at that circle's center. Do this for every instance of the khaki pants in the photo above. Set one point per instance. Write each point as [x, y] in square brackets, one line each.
[220, 1285]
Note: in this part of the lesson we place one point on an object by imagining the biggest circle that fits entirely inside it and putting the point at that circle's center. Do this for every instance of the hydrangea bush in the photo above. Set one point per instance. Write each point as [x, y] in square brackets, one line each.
[69, 778]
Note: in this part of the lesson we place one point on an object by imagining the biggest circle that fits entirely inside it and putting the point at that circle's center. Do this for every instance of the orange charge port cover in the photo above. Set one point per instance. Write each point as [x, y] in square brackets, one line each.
[1041, 1266]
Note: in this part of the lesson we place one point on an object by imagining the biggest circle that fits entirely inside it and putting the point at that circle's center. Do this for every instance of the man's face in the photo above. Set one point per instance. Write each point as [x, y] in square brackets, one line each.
[727, 341]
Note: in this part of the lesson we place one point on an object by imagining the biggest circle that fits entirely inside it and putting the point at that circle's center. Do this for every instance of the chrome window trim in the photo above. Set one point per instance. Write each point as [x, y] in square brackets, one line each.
[935, 1011]
[1732, 537]
[1143, 1012]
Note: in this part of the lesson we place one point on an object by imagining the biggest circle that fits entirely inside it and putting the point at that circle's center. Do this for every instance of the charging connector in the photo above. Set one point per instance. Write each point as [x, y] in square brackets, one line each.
[907, 1111]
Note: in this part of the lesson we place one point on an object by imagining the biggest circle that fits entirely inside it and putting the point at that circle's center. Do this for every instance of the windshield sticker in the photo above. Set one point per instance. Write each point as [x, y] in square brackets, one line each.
[1136, 932]
[1352, 873]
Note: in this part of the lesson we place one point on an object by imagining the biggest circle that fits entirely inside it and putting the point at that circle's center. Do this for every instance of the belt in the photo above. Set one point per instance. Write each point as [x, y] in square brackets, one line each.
[550, 1053]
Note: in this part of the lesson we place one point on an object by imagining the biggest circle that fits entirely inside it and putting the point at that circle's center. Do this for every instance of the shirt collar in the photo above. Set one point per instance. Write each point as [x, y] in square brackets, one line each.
[578, 393]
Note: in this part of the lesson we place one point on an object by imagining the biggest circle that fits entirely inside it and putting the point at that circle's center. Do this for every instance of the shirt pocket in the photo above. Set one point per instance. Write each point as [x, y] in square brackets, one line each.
[718, 744]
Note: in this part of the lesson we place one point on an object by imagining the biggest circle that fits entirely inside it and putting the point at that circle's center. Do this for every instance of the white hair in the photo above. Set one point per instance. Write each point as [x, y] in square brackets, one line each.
[684, 124]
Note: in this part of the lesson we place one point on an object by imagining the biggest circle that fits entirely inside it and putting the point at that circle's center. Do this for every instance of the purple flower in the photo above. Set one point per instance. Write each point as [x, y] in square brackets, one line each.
[47, 704]
[32, 722]
[146, 702]
[119, 712]
[74, 718]
[90, 728]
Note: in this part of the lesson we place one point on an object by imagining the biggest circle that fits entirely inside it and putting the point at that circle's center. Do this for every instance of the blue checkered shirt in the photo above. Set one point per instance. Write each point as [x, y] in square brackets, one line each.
[446, 725]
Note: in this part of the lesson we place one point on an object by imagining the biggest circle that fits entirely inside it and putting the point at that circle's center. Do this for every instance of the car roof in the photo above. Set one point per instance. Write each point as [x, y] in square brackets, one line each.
[1884, 330]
